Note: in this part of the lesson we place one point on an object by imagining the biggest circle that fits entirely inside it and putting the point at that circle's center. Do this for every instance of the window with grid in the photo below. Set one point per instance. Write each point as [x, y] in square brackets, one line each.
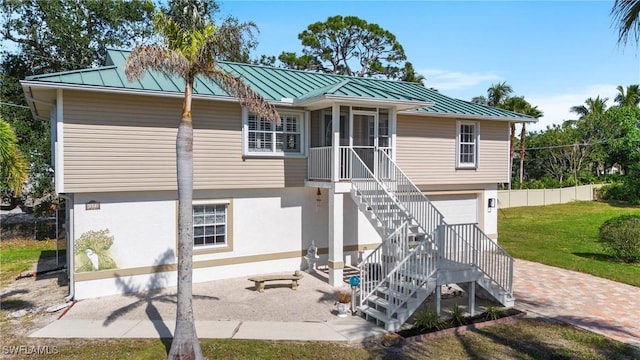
[467, 145]
[266, 137]
[209, 225]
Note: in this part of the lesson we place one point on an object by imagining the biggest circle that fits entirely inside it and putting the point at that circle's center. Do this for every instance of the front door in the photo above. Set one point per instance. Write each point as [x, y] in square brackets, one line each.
[370, 133]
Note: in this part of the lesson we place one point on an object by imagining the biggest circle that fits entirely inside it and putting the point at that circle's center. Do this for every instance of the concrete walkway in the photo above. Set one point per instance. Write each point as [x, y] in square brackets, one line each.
[233, 309]
[224, 309]
[602, 306]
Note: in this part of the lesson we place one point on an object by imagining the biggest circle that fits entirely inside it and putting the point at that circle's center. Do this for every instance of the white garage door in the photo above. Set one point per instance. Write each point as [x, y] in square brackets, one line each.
[457, 209]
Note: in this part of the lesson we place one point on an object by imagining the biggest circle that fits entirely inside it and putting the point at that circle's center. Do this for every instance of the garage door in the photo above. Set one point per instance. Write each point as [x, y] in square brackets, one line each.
[457, 209]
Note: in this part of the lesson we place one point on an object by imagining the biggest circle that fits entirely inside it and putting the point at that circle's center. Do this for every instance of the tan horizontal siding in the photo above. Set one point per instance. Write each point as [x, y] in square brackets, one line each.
[115, 142]
[426, 151]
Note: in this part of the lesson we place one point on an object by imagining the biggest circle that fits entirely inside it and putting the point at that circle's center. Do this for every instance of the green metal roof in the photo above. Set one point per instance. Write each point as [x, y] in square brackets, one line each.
[276, 84]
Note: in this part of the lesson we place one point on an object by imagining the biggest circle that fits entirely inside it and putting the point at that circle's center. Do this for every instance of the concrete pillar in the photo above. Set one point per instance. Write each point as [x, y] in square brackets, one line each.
[438, 298]
[472, 298]
[336, 242]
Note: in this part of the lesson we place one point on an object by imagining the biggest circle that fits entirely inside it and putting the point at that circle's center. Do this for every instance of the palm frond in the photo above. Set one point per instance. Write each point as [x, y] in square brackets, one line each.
[13, 167]
[247, 96]
[155, 57]
[626, 16]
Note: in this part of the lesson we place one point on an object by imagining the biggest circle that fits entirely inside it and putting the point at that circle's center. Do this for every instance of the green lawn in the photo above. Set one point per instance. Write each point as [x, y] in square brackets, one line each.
[566, 236]
[18, 256]
[524, 339]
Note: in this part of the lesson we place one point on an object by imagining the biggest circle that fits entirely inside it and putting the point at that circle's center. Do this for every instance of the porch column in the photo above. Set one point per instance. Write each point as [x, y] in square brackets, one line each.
[335, 143]
[336, 263]
[472, 298]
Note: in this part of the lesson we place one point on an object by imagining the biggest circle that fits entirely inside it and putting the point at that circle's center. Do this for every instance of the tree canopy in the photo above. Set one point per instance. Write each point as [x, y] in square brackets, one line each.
[12, 165]
[49, 36]
[626, 18]
[350, 46]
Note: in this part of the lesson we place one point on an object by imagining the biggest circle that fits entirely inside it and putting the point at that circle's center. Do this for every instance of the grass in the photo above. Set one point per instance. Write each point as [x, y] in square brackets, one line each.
[566, 236]
[19, 255]
[524, 339]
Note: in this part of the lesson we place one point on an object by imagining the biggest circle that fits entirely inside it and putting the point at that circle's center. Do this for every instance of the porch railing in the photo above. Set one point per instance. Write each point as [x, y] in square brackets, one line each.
[319, 163]
[468, 244]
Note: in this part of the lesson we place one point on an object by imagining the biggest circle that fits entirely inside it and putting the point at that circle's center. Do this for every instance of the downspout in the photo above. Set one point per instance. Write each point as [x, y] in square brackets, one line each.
[69, 235]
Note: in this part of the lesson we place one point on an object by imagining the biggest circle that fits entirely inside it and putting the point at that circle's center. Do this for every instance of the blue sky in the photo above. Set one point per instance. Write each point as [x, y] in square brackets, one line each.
[555, 53]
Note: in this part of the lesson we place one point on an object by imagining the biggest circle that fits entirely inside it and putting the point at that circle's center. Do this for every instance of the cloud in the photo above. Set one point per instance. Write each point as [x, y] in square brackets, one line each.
[454, 80]
[556, 106]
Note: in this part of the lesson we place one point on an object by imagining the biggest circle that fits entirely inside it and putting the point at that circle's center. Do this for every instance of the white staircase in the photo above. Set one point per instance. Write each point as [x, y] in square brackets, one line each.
[419, 250]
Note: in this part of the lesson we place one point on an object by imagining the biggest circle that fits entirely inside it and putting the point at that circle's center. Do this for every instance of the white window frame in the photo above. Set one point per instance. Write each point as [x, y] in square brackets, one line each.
[476, 145]
[246, 151]
[227, 240]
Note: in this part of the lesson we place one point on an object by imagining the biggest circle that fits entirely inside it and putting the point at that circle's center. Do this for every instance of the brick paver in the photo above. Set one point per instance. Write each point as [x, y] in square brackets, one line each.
[596, 304]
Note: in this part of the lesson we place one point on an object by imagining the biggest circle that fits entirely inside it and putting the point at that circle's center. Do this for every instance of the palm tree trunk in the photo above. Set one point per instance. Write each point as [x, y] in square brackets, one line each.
[522, 134]
[511, 151]
[185, 343]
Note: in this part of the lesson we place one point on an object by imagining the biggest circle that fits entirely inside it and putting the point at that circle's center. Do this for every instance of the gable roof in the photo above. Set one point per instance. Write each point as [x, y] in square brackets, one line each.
[280, 86]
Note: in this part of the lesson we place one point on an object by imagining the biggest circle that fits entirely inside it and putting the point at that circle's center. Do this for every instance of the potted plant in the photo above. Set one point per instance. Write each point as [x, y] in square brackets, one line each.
[344, 303]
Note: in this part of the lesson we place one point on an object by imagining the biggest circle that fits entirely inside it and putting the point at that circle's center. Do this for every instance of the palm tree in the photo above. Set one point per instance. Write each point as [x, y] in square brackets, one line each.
[190, 49]
[498, 93]
[626, 13]
[12, 165]
[479, 100]
[629, 98]
[594, 107]
[522, 106]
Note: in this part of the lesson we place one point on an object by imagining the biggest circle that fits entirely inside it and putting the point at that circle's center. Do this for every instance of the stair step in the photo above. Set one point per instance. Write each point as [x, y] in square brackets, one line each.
[381, 318]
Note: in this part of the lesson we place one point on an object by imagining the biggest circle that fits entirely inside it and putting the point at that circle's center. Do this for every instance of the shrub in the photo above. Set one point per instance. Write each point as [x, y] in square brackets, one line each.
[428, 319]
[614, 191]
[494, 312]
[457, 315]
[621, 237]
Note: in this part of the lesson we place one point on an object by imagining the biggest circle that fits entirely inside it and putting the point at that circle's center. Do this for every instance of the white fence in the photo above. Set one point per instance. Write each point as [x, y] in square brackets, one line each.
[538, 197]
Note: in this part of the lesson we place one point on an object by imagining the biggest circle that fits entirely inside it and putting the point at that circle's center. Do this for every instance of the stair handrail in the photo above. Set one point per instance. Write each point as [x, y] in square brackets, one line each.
[484, 253]
[375, 275]
[428, 263]
[411, 199]
[359, 172]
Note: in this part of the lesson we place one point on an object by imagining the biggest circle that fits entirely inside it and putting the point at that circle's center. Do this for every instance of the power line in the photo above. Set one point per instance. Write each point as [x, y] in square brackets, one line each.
[574, 145]
[12, 104]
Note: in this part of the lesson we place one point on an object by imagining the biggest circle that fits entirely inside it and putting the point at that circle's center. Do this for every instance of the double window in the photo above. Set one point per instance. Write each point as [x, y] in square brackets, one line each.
[210, 224]
[467, 144]
[264, 137]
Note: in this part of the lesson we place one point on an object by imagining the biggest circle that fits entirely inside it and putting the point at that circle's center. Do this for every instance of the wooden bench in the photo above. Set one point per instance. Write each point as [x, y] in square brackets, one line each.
[260, 280]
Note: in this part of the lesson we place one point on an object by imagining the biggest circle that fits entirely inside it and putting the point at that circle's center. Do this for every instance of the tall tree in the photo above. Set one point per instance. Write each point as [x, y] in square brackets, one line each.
[498, 93]
[630, 97]
[348, 46]
[12, 165]
[241, 36]
[626, 17]
[50, 36]
[591, 108]
[522, 106]
[409, 74]
[190, 49]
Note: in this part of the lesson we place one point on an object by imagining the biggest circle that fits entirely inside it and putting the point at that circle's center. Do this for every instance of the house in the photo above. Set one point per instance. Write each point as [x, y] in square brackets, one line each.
[386, 174]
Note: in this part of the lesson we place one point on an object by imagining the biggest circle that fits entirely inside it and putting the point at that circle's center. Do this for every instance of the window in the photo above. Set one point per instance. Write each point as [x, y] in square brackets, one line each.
[210, 225]
[264, 137]
[467, 145]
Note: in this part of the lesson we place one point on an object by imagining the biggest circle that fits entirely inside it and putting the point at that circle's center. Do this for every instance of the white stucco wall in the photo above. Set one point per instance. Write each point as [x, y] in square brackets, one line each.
[490, 214]
[266, 222]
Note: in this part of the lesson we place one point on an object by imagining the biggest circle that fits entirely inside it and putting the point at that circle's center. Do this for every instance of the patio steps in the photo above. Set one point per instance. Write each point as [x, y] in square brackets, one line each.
[400, 274]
